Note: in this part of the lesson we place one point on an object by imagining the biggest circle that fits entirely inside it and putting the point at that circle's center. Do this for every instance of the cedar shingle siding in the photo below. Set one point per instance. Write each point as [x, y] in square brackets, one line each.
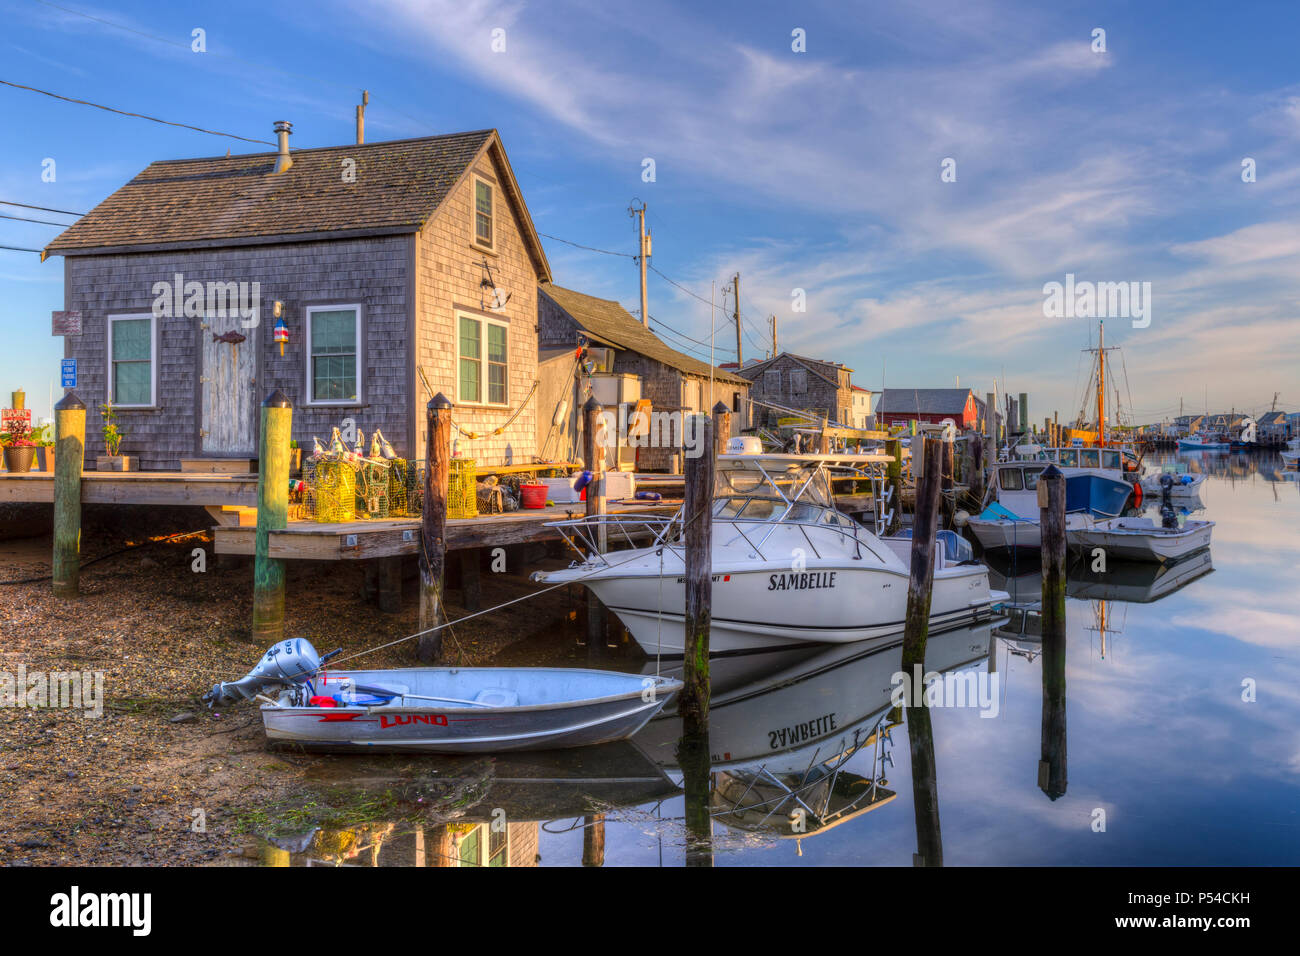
[817, 387]
[398, 242]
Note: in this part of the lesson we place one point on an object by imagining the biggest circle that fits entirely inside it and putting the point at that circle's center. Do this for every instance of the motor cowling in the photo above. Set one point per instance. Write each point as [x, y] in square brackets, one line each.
[286, 663]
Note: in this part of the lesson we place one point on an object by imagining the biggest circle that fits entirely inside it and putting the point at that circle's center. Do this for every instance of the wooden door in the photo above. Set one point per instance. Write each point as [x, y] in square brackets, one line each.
[227, 388]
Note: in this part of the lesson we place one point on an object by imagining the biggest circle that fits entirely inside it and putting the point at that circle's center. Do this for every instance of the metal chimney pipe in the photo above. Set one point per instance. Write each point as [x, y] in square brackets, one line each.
[282, 130]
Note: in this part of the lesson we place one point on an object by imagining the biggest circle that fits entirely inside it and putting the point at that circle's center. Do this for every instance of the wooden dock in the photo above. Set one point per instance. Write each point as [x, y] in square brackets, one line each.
[137, 488]
[392, 537]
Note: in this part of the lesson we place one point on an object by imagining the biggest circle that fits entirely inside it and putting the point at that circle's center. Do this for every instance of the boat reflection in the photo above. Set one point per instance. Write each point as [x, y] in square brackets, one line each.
[800, 740]
[1132, 582]
[453, 811]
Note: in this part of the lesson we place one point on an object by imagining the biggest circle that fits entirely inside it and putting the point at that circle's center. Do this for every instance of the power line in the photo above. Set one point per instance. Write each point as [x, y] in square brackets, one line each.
[569, 242]
[20, 249]
[45, 222]
[152, 119]
[6, 202]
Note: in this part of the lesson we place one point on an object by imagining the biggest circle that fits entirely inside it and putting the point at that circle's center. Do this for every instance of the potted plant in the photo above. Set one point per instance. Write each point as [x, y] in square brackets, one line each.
[19, 449]
[295, 456]
[111, 460]
[43, 436]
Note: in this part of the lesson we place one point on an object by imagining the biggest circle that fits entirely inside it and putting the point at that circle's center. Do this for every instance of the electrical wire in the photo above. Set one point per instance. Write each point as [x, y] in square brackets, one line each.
[44, 222]
[570, 242]
[152, 119]
[6, 202]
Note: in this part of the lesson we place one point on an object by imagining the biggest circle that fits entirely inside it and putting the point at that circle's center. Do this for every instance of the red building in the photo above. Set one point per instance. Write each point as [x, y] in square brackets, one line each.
[930, 405]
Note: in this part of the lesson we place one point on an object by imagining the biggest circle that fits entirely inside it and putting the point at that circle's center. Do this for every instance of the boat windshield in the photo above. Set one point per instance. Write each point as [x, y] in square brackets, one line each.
[764, 494]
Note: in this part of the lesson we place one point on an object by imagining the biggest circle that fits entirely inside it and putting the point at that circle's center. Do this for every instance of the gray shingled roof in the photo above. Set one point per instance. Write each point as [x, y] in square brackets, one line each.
[236, 199]
[609, 322]
[924, 401]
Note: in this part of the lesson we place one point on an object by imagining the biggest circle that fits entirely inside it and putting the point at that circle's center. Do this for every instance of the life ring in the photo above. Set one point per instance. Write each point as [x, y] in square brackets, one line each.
[1137, 494]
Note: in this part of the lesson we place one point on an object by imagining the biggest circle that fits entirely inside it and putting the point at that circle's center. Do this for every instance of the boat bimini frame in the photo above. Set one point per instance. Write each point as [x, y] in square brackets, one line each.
[589, 536]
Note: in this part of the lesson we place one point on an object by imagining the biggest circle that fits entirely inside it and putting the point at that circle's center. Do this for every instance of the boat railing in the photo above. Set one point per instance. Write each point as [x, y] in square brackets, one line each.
[592, 536]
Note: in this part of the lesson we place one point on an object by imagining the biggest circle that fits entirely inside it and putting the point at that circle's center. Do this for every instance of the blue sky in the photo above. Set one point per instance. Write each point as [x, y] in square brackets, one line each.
[817, 170]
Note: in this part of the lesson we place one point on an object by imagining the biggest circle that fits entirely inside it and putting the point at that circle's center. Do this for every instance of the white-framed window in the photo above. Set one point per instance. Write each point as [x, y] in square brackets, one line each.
[334, 355]
[133, 360]
[485, 196]
[483, 359]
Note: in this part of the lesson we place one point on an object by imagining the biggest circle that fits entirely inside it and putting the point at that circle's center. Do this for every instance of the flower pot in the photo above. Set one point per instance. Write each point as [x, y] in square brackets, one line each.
[114, 463]
[18, 459]
[45, 457]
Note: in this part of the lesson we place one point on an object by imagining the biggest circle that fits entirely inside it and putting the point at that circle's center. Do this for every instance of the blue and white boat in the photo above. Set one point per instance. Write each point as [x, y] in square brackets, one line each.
[1195, 442]
[1096, 486]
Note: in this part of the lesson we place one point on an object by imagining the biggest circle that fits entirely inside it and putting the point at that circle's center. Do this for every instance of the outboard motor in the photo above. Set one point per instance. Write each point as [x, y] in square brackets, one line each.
[1168, 516]
[288, 662]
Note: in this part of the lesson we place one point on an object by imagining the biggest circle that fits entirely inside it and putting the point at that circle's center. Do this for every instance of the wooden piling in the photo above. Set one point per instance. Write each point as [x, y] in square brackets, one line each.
[272, 515]
[694, 760]
[69, 456]
[824, 440]
[1051, 515]
[894, 482]
[697, 514]
[471, 589]
[948, 466]
[925, 786]
[976, 477]
[388, 581]
[593, 839]
[433, 525]
[925, 523]
[721, 428]
[593, 460]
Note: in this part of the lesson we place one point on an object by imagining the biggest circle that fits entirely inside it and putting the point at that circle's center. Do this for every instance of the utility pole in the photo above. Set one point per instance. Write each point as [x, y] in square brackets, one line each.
[361, 116]
[736, 303]
[643, 253]
[775, 351]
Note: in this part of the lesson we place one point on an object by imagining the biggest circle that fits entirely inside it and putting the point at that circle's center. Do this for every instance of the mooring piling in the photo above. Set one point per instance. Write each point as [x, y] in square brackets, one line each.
[721, 428]
[894, 484]
[697, 515]
[593, 460]
[69, 457]
[433, 525]
[1051, 514]
[925, 524]
[948, 478]
[272, 515]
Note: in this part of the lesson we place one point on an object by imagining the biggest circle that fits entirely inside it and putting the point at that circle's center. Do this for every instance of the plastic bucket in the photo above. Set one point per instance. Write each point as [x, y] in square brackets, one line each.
[534, 496]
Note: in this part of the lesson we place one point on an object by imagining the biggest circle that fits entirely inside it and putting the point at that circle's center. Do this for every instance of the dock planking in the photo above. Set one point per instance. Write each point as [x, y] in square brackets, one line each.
[364, 540]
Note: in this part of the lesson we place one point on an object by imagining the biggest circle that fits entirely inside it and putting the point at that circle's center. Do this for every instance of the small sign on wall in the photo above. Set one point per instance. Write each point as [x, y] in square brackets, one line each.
[8, 416]
[68, 368]
[66, 323]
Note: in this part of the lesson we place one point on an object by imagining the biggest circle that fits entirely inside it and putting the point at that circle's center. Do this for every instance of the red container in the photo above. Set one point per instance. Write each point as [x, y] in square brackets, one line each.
[534, 496]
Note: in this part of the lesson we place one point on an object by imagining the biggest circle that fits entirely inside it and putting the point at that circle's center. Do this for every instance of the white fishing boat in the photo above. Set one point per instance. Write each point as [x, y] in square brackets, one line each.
[1094, 486]
[1186, 483]
[787, 567]
[1140, 539]
[441, 709]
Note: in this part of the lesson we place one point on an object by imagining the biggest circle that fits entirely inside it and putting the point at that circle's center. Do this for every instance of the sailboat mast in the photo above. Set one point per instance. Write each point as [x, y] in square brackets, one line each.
[1101, 384]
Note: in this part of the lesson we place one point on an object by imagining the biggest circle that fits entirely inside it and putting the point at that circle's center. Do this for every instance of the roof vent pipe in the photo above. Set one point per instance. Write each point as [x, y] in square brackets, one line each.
[282, 130]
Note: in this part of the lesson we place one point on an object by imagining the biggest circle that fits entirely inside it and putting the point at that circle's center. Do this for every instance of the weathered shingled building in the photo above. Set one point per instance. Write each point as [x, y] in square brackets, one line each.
[631, 357]
[387, 258]
[821, 388]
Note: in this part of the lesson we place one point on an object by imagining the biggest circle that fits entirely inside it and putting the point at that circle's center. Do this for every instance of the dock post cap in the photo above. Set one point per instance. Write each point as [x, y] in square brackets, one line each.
[1051, 471]
[277, 399]
[591, 405]
[440, 402]
[721, 407]
[69, 402]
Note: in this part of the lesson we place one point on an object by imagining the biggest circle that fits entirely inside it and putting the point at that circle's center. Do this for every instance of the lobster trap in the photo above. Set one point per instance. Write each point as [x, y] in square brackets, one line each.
[330, 494]
[462, 489]
[372, 497]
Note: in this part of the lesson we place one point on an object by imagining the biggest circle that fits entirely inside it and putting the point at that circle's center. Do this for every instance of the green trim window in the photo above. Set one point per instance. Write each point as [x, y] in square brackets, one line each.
[131, 360]
[483, 359]
[483, 221]
[334, 351]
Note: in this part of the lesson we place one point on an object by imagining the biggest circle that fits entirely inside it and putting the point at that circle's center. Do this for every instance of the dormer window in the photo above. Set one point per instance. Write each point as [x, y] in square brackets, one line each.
[484, 223]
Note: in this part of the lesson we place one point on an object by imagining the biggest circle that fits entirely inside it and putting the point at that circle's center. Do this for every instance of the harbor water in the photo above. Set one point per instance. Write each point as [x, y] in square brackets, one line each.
[1181, 743]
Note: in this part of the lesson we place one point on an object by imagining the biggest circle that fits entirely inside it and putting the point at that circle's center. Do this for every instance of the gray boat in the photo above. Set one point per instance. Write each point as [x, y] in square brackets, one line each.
[441, 709]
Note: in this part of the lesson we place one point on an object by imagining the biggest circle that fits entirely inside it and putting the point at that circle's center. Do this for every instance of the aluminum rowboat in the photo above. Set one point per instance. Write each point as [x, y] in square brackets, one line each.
[465, 710]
